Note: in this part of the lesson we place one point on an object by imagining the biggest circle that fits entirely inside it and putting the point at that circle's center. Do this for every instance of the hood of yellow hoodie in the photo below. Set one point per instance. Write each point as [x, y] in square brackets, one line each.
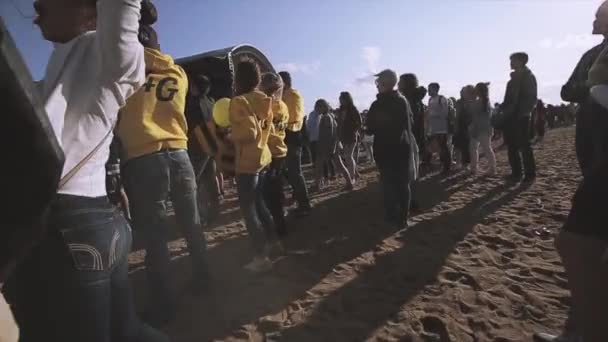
[157, 61]
[260, 103]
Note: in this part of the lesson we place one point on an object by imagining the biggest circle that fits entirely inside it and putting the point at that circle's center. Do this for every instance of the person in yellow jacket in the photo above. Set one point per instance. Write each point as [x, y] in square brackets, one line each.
[153, 132]
[251, 122]
[295, 103]
[272, 85]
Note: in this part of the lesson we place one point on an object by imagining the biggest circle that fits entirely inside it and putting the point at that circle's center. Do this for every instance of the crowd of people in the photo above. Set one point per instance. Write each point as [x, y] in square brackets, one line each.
[141, 135]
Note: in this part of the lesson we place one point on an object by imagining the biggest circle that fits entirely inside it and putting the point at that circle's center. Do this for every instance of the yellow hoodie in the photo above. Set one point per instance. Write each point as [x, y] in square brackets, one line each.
[153, 118]
[294, 101]
[251, 121]
[280, 118]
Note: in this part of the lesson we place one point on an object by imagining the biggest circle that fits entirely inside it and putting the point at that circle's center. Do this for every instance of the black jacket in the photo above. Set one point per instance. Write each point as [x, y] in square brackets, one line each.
[390, 121]
[521, 95]
[590, 126]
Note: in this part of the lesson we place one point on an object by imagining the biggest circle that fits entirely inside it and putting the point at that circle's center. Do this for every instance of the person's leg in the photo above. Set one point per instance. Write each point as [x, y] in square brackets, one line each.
[474, 152]
[445, 154]
[486, 148]
[275, 198]
[525, 147]
[390, 198]
[183, 196]
[296, 178]
[349, 158]
[587, 278]
[209, 188]
[262, 210]
[126, 326]
[347, 175]
[246, 188]
[147, 180]
[512, 141]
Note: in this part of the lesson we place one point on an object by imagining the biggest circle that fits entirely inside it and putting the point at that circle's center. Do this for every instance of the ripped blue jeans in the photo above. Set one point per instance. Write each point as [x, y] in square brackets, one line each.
[151, 181]
[74, 285]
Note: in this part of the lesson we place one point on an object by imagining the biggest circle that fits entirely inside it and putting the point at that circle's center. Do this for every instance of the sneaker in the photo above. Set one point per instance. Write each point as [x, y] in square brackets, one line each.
[259, 265]
[529, 179]
[542, 337]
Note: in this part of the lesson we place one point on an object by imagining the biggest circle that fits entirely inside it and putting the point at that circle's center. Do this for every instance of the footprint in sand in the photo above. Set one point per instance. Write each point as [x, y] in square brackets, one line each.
[435, 330]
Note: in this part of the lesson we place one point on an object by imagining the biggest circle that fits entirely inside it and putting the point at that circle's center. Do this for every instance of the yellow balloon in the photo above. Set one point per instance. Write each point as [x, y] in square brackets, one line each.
[221, 112]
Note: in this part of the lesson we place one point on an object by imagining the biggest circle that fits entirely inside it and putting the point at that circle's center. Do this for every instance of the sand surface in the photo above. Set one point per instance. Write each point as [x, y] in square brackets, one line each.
[477, 264]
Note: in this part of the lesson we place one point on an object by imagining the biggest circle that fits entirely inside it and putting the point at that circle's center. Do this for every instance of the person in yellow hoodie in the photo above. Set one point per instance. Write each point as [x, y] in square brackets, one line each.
[294, 139]
[153, 132]
[272, 85]
[251, 121]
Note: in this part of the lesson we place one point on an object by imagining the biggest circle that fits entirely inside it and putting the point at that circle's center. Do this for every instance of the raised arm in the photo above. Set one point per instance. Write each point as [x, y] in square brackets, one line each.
[122, 56]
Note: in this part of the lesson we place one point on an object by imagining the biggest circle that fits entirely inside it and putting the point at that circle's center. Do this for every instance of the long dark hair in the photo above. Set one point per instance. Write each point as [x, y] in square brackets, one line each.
[483, 90]
[347, 98]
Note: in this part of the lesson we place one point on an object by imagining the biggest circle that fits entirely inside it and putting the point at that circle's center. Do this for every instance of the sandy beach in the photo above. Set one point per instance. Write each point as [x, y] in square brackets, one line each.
[477, 264]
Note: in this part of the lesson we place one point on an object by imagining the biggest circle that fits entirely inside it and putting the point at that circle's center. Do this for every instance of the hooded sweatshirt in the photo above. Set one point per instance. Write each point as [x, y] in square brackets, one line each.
[276, 140]
[154, 118]
[86, 82]
[251, 121]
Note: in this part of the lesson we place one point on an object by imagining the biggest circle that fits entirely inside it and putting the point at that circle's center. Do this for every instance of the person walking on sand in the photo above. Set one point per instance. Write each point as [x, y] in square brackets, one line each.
[328, 147]
[295, 103]
[349, 126]
[390, 121]
[463, 121]
[520, 100]
[541, 121]
[251, 120]
[438, 122]
[480, 129]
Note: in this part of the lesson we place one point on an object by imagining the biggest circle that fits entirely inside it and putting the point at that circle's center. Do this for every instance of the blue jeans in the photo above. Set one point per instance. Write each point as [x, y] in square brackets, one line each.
[295, 176]
[257, 217]
[151, 181]
[74, 286]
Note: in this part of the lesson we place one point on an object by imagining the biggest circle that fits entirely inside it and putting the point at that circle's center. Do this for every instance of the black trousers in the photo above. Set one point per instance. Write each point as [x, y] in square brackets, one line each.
[517, 138]
[274, 195]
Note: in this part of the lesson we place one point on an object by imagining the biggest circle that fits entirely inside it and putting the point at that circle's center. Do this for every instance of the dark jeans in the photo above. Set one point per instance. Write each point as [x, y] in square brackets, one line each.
[274, 195]
[258, 219]
[205, 170]
[151, 180]
[445, 154]
[396, 190]
[517, 138]
[295, 176]
[74, 286]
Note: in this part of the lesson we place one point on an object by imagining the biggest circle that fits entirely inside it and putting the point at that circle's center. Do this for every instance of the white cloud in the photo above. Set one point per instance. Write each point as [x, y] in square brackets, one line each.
[302, 68]
[568, 41]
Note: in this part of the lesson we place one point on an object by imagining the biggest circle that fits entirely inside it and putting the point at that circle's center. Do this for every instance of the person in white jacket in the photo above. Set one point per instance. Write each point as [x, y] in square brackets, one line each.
[74, 286]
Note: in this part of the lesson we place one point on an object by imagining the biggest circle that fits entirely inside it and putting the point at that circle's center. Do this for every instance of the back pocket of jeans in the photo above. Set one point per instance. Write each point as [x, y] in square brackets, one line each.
[93, 248]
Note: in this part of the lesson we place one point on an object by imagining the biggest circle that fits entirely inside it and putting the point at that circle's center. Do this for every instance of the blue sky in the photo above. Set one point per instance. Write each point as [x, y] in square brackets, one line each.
[335, 45]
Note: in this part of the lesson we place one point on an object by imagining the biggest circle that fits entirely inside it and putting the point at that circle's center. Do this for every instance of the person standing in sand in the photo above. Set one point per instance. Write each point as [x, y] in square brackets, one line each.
[520, 100]
[390, 122]
[583, 242]
[480, 129]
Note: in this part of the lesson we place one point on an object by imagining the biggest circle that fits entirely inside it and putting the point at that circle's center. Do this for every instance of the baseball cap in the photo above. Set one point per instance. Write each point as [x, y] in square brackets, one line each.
[388, 76]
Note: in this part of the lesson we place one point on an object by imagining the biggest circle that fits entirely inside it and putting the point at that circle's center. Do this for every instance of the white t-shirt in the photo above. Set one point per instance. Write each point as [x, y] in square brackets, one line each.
[438, 111]
[87, 81]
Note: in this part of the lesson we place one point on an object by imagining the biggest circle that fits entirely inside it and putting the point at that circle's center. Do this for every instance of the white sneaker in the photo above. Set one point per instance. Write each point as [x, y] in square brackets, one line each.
[542, 337]
[259, 265]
